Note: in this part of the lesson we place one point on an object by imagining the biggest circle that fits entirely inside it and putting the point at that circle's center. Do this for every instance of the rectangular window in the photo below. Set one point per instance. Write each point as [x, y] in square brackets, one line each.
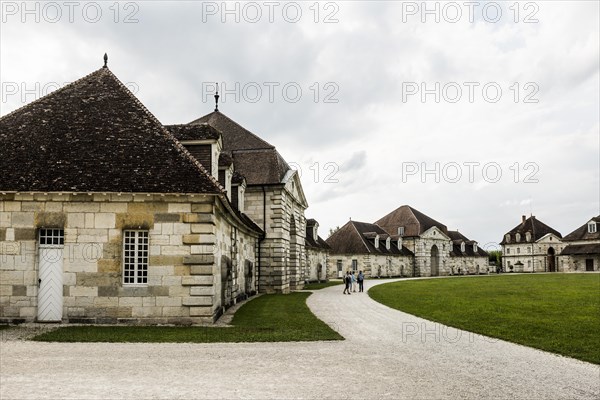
[354, 265]
[339, 265]
[591, 227]
[401, 230]
[518, 250]
[507, 250]
[52, 237]
[135, 257]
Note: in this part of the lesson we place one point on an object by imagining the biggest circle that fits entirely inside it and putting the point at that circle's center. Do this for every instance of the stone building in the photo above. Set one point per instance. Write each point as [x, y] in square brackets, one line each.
[582, 251]
[273, 198]
[361, 246]
[532, 246]
[317, 252]
[466, 257]
[437, 251]
[105, 216]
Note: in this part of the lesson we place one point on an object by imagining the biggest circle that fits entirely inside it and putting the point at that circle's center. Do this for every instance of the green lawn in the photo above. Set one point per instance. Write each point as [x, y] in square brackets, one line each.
[321, 285]
[553, 312]
[268, 318]
[4, 327]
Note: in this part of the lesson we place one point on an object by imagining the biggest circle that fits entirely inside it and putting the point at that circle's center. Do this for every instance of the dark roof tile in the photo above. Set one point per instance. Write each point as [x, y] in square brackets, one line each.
[93, 135]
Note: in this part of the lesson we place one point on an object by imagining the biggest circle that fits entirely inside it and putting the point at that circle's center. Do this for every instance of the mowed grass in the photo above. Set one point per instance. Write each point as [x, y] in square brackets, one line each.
[321, 285]
[268, 318]
[553, 312]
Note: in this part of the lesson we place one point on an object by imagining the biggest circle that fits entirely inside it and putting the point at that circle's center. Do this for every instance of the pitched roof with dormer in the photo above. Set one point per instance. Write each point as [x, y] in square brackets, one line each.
[256, 159]
[536, 228]
[94, 135]
[457, 239]
[413, 221]
[582, 232]
[359, 238]
[311, 241]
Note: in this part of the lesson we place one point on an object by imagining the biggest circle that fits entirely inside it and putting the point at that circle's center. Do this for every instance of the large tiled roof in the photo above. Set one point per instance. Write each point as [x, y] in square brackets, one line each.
[582, 233]
[193, 132]
[413, 221]
[257, 160]
[356, 238]
[93, 135]
[534, 226]
[235, 136]
[581, 249]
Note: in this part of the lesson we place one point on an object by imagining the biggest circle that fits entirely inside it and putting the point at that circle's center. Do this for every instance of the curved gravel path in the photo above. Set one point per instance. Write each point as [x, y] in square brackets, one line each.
[387, 354]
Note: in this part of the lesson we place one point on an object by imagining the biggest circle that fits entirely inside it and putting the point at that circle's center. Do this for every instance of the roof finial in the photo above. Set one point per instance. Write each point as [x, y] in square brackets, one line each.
[217, 99]
[105, 60]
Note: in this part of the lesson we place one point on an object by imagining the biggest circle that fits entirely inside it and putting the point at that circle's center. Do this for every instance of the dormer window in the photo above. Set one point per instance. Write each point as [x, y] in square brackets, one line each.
[315, 232]
[518, 237]
[462, 247]
[388, 243]
[401, 230]
[377, 241]
[507, 238]
[399, 243]
[592, 228]
[475, 248]
[528, 237]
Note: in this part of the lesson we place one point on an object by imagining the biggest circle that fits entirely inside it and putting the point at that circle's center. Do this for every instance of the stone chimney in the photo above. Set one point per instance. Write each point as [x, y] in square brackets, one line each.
[523, 218]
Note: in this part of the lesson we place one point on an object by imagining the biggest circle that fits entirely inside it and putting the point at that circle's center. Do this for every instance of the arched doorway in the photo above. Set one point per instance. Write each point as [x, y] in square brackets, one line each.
[435, 261]
[551, 260]
[225, 281]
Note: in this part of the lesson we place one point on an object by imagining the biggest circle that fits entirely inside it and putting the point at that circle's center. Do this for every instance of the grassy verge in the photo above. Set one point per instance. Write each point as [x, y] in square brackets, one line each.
[268, 318]
[2, 327]
[321, 285]
[558, 312]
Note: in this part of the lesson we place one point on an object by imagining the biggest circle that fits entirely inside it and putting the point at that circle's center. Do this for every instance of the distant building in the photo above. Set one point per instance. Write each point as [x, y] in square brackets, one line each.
[418, 246]
[317, 252]
[531, 246]
[360, 246]
[582, 251]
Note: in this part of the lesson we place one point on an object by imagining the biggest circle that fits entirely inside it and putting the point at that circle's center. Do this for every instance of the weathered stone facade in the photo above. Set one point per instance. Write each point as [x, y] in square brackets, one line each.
[372, 265]
[200, 259]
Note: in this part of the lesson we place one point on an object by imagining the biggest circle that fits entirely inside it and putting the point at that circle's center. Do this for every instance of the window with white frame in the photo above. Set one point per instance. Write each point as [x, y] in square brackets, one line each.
[592, 227]
[354, 265]
[508, 250]
[135, 257]
[518, 250]
[462, 247]
[401, 230]
[507, 238]
[518, 237]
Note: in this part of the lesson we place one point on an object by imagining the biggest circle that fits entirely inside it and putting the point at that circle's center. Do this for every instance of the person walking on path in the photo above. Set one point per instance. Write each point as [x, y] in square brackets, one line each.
[347, 283]
[361, 280]
[353, 282]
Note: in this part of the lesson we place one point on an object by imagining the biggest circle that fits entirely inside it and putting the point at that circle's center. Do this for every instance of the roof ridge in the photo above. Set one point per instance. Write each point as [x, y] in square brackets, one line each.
[247, 130]
[359, 235]
[54, 92]
[178, 146]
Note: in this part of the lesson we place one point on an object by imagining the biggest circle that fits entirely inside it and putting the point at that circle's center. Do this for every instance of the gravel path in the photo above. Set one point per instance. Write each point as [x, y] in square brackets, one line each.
[387, 354]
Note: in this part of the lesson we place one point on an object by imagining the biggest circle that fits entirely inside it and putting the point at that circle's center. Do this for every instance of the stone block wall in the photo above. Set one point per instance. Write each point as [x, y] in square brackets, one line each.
[282, 252]
[185, 238]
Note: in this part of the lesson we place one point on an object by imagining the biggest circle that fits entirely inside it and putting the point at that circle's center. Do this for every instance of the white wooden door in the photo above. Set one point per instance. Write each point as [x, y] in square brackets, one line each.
[50, 275]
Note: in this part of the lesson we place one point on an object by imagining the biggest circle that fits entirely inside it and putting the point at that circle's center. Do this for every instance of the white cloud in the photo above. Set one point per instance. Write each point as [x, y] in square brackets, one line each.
[365, 58]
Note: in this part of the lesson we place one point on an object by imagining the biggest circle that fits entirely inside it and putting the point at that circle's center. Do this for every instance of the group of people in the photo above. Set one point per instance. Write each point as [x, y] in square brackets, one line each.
[350, 282]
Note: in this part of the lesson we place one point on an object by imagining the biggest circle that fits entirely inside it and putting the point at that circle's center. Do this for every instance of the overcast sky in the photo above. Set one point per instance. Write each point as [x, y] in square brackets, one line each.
[378, 104]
